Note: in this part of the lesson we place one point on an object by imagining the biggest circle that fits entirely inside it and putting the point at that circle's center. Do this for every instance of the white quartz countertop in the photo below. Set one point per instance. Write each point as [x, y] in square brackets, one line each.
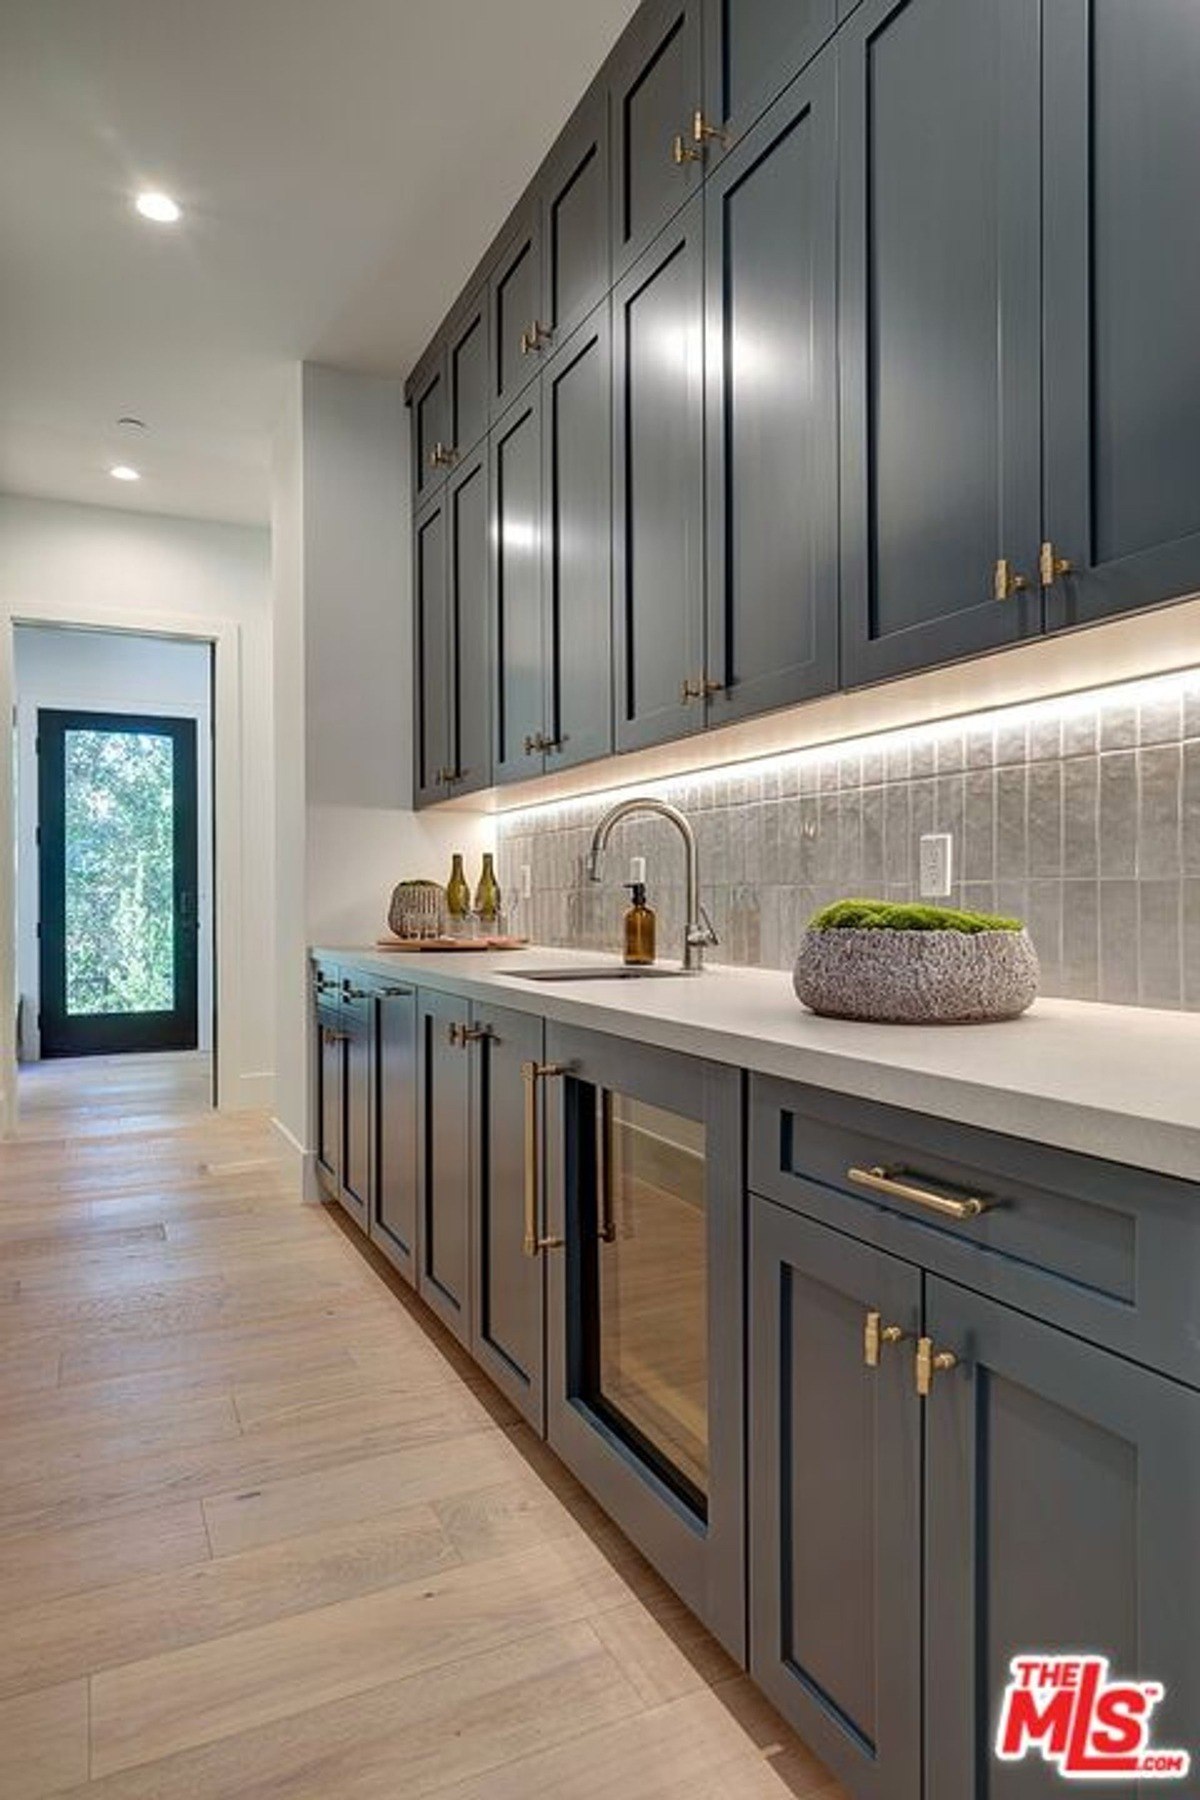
[1112, 1081]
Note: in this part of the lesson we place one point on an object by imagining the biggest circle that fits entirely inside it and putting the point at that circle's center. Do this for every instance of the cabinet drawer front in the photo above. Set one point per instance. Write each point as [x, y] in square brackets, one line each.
[1106, 1251]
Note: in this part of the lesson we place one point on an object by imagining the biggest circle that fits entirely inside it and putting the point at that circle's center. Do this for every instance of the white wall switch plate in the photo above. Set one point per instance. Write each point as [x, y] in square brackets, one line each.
[526, 881]
[936, 865]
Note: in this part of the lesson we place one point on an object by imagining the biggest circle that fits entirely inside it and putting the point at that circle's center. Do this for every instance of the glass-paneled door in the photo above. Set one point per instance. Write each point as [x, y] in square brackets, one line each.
[118, 855]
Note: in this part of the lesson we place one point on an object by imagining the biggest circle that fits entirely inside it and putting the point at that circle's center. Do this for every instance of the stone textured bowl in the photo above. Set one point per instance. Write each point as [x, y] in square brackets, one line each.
[917, 977]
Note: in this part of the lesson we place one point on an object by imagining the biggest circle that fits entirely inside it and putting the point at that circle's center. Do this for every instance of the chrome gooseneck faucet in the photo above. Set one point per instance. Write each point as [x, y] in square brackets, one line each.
[698, 932]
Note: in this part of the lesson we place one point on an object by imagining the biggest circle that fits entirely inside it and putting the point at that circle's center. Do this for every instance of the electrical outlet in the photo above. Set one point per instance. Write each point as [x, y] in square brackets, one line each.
[936, 865]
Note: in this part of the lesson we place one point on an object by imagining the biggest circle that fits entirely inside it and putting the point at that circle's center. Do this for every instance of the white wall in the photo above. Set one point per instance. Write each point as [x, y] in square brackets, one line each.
[104, 568]
[113, 672]
[343, 703]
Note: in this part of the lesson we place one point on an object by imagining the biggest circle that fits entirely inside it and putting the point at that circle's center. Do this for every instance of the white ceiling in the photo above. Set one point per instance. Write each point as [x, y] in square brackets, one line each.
[341, 165]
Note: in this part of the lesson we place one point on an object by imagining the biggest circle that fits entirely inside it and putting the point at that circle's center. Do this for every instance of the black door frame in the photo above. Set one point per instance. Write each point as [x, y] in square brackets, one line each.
[62, 1034]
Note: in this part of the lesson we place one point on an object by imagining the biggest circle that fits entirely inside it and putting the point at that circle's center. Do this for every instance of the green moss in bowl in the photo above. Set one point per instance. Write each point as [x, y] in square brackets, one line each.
[888, 915]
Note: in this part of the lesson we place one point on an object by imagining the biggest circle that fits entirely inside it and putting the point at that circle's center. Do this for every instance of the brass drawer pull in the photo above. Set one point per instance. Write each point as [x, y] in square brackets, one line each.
[532, 1073]
[931, 1362]
[1006, 581]
[894, 1182]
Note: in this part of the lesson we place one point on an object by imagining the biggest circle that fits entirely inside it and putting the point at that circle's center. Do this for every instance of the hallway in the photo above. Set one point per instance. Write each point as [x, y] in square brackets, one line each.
[264, 1530]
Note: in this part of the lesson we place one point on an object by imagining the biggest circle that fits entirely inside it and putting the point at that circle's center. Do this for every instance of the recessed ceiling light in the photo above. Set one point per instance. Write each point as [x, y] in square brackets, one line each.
[159, 207]
[123, 472]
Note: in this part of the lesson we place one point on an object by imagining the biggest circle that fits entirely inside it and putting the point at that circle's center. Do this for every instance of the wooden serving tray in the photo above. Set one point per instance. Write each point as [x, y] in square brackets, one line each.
[443, 944]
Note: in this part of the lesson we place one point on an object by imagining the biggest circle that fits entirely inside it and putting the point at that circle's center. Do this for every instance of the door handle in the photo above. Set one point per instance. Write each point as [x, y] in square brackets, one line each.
[931, 1362]
[533, 1073]
[896, 1183]
[875, 1335]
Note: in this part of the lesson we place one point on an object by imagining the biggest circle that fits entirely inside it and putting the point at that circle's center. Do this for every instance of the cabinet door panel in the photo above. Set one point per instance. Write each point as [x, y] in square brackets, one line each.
[467, 363]
[835, 1502]
[517, 604]
[940, 334]
[577, 217]
[431, 652]
[330, 1059]
[508, 1304]
[469, 524]
[753, 48]
[655, 89]
[394, 1194]
[356, 1121]
[658, 483]
[770, 245]
[444, 1176]
[1063, 1507]
[516, 302]
[430, 425]
[1122, 297]
[577, 517]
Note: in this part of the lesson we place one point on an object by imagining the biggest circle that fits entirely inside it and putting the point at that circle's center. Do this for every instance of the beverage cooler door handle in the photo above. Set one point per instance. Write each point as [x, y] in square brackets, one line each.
[533, 1074]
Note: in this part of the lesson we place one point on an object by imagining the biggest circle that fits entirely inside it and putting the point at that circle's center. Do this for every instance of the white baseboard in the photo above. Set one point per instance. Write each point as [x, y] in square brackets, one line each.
[303, 1163]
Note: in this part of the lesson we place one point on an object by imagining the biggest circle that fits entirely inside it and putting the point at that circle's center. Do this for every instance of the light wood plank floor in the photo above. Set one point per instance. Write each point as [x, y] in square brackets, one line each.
[264, 1531]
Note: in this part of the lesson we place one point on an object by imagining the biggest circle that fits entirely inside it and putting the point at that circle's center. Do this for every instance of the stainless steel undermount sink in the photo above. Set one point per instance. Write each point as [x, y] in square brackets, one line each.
[617, 972]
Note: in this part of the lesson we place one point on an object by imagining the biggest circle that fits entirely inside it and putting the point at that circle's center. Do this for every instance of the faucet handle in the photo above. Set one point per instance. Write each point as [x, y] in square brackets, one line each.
[707, 931]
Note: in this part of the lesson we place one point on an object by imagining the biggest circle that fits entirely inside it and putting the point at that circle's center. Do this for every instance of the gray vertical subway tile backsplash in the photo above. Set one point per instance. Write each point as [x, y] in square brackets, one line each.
[1081, 816]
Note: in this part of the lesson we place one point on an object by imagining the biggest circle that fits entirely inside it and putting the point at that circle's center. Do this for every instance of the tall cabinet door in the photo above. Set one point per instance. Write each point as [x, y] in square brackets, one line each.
[467, 364]
[658, 488]
[835, 1498]
[508, 1308]
[1122, 299]
[655, 88]
[940, 428]
[1062, 1514]
[577, 544]
[517, 590]
[771, 249]
[752, 49]
[433, 719]
[394, 1129]
[468, 527]
[430, 426]
[444, 1160]
[576, 218]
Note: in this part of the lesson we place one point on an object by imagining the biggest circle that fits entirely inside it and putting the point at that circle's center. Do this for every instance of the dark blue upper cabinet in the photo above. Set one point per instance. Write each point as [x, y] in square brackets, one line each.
[1122, 301]
[467, 362]
[518, 331]
[433, 721]
[577, 544]
[517, 639]
[1062, 1501]
[752, 49]
[771, 287]
[658, 488]
[574, 186]
[429, 418]
[468, 538]
[939, 120]
[655, 91]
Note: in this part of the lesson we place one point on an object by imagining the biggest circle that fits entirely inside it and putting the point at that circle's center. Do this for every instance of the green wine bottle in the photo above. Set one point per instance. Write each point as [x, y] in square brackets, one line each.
[458, 894]
[487, 894]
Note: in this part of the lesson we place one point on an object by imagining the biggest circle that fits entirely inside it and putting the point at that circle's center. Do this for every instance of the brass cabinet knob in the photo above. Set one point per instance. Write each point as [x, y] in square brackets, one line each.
[683, 153]
[1006, 581]
[931, 1362]
[875, 1335]
[1051, 566]
[703, 132]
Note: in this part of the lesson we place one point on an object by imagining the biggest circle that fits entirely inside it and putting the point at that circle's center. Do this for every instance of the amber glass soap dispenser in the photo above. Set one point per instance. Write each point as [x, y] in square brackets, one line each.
[639, 927]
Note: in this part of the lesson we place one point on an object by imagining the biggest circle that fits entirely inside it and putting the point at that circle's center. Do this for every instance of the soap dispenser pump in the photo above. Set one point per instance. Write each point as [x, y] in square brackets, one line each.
[639, 927]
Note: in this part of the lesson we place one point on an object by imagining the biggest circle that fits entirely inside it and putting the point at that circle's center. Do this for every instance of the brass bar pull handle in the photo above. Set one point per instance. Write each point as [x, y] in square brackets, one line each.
[1006, 581]
[875, 1335]
[931, 1362]
[1052, 566]
[476, 1034]
[532, 1241]
[607, 1232]
[456, 1035]
[896, 1183]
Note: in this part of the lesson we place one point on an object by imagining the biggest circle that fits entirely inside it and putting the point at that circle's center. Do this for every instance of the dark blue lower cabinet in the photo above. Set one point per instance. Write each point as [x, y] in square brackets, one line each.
[835, 1498]
[1062, 1500]
[643, 1240]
